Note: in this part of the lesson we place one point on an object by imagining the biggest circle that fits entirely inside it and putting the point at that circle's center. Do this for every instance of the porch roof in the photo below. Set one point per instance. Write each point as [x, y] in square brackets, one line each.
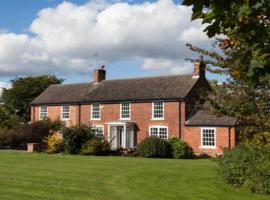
[121, 123]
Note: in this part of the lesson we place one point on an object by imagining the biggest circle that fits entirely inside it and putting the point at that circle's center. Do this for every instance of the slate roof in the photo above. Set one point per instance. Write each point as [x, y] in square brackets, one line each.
[136, 89]
[204, 117]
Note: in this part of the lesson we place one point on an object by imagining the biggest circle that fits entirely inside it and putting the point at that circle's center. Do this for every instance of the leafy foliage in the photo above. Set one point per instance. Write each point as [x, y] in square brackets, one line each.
[247, 167]
[181, 149]
[54, 143]
[75, 137]
[16, 99]
[246, 25]
[154, 147]
[28, 133]
[248, 104]
[96, 147]
[37, 131]
[7, 120]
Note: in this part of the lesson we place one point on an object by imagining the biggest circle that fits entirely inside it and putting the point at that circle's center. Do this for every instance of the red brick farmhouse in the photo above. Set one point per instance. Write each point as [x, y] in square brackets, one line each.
[129, 110]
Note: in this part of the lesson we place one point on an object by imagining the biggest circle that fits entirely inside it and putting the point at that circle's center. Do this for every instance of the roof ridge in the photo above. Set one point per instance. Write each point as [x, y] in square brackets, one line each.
[148, 77]
[121, 79]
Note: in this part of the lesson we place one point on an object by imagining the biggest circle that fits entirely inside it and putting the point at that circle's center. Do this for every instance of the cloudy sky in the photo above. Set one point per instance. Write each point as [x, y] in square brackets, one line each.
[71, 38]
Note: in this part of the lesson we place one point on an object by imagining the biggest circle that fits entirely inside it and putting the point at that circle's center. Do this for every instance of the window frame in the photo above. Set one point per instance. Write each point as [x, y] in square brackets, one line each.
[40, 108]
[91, 111]
[62, 112]
[158, 132]
[153, 110]
[121, 111]
[94, 126]
[215, 138]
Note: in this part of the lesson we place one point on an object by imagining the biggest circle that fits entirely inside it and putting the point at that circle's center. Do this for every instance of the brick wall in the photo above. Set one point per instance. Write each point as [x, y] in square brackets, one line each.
[141, 113]
[193, 138]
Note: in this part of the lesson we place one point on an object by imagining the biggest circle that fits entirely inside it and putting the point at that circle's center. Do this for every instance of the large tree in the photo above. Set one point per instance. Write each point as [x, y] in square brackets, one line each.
[246, 26]
[23, 90]
[243, 56]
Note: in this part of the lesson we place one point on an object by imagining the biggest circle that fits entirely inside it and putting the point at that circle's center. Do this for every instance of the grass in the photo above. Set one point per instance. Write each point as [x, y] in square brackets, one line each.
[44, 176]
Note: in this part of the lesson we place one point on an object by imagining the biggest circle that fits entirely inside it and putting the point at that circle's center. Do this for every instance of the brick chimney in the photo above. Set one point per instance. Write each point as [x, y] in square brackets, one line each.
[199, 68]
[99, 74]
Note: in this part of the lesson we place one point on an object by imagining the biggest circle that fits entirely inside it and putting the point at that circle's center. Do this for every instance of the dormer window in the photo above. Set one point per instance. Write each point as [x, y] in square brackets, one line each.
[158, 110]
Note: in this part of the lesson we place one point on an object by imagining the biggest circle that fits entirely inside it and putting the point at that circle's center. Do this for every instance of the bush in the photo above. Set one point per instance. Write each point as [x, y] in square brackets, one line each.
[247, 167]
[75, 138]
[11, 139]
[36, 132]
[154, 147]
[96, 147]
[54, 143]
[181, 149]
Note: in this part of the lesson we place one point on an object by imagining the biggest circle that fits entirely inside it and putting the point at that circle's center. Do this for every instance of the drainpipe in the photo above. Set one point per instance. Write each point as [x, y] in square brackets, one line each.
[230, 137]
[79, 121]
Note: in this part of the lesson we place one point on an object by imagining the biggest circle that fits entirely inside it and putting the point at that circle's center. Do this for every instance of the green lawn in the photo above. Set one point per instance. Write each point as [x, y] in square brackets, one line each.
[44, 176]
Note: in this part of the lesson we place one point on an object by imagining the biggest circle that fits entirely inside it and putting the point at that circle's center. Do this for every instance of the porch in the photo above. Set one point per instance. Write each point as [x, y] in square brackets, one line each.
[121, 134]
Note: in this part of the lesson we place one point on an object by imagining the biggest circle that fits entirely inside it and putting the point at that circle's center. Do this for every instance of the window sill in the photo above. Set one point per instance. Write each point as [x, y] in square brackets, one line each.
[94, 119]
[207, 147]
[65, 119]
[125, 119]
[157, 119]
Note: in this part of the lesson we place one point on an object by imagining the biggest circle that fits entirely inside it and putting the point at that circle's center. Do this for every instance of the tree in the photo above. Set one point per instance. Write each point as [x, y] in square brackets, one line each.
[236, 98]
[246, 25]
[23, 90]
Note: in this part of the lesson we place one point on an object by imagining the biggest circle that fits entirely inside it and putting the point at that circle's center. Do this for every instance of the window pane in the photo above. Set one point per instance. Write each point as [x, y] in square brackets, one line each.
[158, 110]
[163, 133]
[43, 112]
[95, 111]
[125, 110]
[154, 132]
[208, 137]
[65, 112]
[99, 131]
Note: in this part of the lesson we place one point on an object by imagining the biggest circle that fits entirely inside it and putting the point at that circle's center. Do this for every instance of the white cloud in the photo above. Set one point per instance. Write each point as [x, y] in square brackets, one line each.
[70, 38]
[170, 66]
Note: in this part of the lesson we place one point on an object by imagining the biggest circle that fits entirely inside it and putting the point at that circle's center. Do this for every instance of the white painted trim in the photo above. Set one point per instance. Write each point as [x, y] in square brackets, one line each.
[91, 112]
[99, 126]
[163, 106]
[158, 127]
[215, 135]
[40, 118]
[65, 119]
[120, 112]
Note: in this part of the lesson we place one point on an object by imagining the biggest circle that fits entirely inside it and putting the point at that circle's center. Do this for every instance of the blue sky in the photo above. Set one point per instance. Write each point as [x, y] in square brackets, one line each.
[133, 39]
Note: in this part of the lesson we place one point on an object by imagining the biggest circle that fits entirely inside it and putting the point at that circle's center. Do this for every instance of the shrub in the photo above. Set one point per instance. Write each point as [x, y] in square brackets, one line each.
[247, 167]
[75, 137]
[54, 143]
[36, 132]
[154, 147]
[11, 138]
[181, 149]
[96, 147]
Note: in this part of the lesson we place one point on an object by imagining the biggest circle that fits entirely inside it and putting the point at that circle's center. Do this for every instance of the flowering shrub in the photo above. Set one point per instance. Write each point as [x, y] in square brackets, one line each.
[54, 143]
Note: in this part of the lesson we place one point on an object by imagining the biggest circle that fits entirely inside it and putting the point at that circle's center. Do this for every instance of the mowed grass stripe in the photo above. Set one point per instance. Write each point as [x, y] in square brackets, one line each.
[57, 177]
